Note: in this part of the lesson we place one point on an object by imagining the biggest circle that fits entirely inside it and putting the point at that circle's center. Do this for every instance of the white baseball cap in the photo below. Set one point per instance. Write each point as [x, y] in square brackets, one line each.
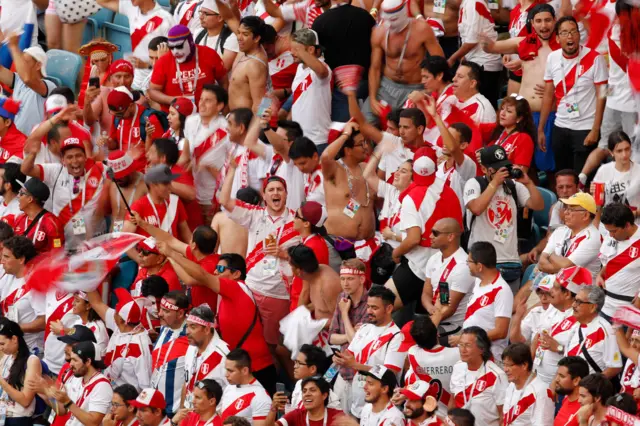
[38, 54]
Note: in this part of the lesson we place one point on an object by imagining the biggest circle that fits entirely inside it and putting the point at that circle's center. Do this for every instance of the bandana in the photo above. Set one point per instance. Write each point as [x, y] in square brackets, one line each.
[197, 320]
[181, 43]
[394, 13]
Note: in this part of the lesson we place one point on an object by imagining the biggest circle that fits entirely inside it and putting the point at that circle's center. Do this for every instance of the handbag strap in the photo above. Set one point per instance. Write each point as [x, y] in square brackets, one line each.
[586, 354]
[34, 222]
[248, 332]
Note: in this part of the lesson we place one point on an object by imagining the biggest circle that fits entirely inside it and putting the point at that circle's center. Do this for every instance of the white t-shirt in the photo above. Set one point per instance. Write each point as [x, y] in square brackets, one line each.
[531, 405]
[291, 174]
[98, 400]
[475, 20]
[26, 307]
[390, 213]
[186, 10]
[593, 71]
[454, 271]
[620, 96]
[622, 262]
[582, 249]
[620, 187]
[250, 401]
[14, 409]
[230, 43]
[497, 224]
[391, 161]
[312, 103]
[532, 321]
[487, 303]
[479, 391]
[32, 108]
[389, 416]
[560, 326]
[142, 23]
[600, 341]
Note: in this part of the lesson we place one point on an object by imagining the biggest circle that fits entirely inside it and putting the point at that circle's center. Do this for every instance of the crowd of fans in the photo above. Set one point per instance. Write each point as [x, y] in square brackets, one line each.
[345, 219]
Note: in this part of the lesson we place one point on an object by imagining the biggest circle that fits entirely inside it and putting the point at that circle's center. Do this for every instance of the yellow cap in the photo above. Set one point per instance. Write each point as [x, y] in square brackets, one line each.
[583, 200]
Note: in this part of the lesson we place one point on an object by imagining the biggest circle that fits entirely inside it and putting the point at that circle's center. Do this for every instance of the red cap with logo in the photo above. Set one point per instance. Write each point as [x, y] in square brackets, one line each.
[69, 143]
[121, 163]
[149, 398]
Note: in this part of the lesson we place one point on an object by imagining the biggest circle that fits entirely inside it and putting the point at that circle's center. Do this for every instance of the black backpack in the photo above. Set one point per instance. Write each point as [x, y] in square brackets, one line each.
[222, 38]
[524, 218]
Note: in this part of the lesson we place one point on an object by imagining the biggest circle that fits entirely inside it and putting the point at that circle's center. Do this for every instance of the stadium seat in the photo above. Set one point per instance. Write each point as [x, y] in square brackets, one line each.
[96, 21]
[121, 20]
[65, 66]
[118, 35]
[541, 217]
[528, 274]
[55, 80]
[165, 4]
[127, 271]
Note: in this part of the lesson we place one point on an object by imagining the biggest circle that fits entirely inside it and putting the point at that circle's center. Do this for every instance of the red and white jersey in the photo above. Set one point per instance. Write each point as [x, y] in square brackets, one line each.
[282, 70]
[390, 213]
[389, 416]
[314, 186]
[22, 305]
[454, 271]
[622, 274]
[289, 172]
[374, 345]
[575, 82]
[208, 146]
[95, 395]
[435, 367]
[487, 303]
[599, 339]
[531, 405]
[261, 12]
[186, 14]
[45, 235]
[312, 103]
[474, 20]
[518, 20]
[303, 11]
[630, 377]
[128, 357]
[250, 401]
[457, 175]
[9, 212]
[207, 365]
[477, 107]
[250, 171]
[58, 307]
[560, 325]
[582, 249]
[144, 28]
[443, 107]
[620, 96]
[391, 161]
[266, 274]
[479, 391]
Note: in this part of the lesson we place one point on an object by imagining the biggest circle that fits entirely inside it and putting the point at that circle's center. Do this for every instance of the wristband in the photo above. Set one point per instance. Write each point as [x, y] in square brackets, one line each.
[346, 134]
[420, 16]
[67, 405]
[373, 11]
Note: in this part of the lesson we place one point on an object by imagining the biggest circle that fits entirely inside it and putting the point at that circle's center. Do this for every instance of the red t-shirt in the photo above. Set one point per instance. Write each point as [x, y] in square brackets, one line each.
[143, 207]
[165, 272]
[568, 409]
[46, 235]
[200, 294]
[518, 146]
[194, 214]
[298, 417]
[316, 243]
[12, 144]
[236, 298]
[127, 136]
[165, 74]
[193, 419]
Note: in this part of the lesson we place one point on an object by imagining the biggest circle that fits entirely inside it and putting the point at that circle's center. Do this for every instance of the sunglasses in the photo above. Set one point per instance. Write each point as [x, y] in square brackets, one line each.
[221, 268]
[437, 233]
[23, 192]
[143, 252]
[298, 216]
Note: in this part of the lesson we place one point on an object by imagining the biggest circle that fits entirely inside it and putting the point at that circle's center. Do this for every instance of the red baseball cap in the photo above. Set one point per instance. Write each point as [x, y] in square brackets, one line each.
[149, 398]
[121, 163]
[184, 106]
[119, 99]
[121, 66]
[69, 143]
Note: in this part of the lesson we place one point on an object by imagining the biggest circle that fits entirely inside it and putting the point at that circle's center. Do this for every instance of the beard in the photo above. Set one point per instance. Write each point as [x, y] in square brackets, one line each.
[563, 391]
[415, 413]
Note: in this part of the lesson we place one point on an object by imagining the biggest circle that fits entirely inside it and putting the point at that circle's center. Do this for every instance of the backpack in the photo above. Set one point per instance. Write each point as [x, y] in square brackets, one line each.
[524, 218]
[146, 115]
[222, 38]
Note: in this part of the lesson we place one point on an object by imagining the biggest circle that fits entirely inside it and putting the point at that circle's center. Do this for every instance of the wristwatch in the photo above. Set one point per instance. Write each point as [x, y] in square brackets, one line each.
[560, 349]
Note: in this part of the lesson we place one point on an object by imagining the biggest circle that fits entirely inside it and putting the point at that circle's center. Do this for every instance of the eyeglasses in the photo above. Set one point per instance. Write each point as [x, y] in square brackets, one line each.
[437, 233]
[143, 252]
[208, 14]
[579, 302]
[568, 33]
[22, 192]
[299, 216]
[116, 405]
[572, 210]
[471, 261]
[298, 363]
[221, 268]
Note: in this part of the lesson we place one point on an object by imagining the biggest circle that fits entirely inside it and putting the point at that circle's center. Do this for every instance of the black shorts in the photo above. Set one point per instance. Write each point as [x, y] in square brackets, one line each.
[514, 77]
[408, 285]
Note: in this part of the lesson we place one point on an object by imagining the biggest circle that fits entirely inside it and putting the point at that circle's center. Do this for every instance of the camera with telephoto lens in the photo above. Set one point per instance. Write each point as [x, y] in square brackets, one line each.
[514, 173]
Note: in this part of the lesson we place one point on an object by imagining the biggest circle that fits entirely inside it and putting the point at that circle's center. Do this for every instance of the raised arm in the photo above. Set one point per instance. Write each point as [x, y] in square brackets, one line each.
[504, 47]
[224, 198]
[311, 61]
[368, 130]
[159, 234]
[201, 276]
[328, 158]
[97, 304]
[370, 171]
[252, 139]
[26, 74]
[112, 5]
[230, 13]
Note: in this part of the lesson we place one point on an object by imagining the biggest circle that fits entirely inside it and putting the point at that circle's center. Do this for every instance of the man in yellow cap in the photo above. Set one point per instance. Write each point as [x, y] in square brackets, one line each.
[578, 241]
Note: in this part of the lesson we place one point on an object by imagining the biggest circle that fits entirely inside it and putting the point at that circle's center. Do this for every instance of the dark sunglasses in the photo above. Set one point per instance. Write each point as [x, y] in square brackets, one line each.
[437, 233]
[144, 252]
[221, 268]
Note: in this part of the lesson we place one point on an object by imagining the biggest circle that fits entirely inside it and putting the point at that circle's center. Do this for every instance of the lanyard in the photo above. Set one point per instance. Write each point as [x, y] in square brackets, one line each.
[133, 193]
[133, 120]
[195, 78]
[84, 192]
[166, 355]
[156, 211]
[324, 419]
[575, 83]
[404, 48]
[506, 137]
[467, 403]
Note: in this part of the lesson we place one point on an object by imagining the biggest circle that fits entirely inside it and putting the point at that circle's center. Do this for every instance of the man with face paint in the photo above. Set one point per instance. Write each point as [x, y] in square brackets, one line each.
[185, 69]
[400, 44]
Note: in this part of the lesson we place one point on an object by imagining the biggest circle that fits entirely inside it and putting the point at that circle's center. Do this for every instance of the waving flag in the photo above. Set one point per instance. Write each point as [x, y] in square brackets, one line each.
[81, 271]
[25, 40]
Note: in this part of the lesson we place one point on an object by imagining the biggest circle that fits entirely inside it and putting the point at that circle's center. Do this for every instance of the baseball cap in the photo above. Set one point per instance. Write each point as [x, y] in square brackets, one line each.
[425, 163]
[314, 213]
[574, 278]
[121, 65]
[37, 189]
[495, 157]
[55, 103]
[127, 307]
[89, 350]
[119, 99]
[149, 398]
[184, 106]
[69, 143]
[416, 391]
[583, 200]
[382, 374]
[77, 333]
[160, 173]
[38, 54]
[121, 163]
[210, 5]
[307, 37]
[149, 244]
[545, 283]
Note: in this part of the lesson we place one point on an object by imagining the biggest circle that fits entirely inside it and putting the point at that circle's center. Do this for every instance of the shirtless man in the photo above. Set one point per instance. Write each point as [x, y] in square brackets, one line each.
[233, 238]
[446, 13]
[323, 282]
[131, 183]
[349, 198]
[401, 45]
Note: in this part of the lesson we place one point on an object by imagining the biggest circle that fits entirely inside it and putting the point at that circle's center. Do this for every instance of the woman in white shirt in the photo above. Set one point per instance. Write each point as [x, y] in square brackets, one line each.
[18, 366]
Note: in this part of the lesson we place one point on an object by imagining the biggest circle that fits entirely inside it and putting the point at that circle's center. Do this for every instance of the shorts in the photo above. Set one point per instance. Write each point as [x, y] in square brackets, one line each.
[544, 160]
[408, 285]
[271, 311]
[515, 77]
[614, 120]
[51, 9]
[395, 94]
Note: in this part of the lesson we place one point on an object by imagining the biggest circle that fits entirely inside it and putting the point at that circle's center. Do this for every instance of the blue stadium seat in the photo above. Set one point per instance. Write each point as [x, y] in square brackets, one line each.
[118, 35]
[165, 3]
[56, 80]
[121, 20]
[96, 21]
[528, 274]
[65, 66]
[127, 271]
[541, 217]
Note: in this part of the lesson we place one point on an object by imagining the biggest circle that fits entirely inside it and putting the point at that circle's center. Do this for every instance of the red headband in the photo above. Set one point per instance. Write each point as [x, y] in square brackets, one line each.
[197, 320]
[168, 305]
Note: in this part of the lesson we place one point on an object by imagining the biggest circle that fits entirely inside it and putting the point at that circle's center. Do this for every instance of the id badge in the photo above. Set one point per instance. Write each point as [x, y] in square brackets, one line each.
[500, 236]
[494, 5]
[439, 6]
[79, 227]
[270, 266]
[351, 208]
[118, 225]
[188, 401]
[52, 415]
[539, 355]
[361, 381]
[572, 110]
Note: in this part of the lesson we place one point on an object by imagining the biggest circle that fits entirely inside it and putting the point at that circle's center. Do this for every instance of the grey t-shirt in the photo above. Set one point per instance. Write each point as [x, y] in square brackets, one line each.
[32, 107]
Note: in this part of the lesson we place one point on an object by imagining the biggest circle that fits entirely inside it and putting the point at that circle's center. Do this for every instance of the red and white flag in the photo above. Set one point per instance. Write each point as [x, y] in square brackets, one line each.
[627, 315]
[83, 271]
[348, 77]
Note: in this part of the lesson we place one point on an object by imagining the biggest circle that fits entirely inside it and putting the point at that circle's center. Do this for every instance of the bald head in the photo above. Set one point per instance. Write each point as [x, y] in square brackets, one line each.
[448, 224]
[445, 235]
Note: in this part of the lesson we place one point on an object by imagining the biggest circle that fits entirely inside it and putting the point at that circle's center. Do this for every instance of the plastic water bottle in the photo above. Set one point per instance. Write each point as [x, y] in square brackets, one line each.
[331, 372]
[105, 147]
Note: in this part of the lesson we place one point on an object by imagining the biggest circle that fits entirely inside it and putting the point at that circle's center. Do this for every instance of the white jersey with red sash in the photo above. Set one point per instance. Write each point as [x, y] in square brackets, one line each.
[435, 367]
[443, 107]
[374, 345]
[388, 416]
[128, 357]
[479, 391]
[282, 70]
[266, 274]
[531, 405]
[58, 307]
[303, 11]
[487, 303]
[314, 186]
[9, 212]
[389, 216]
[250, 401]
[560, 326]
[582, 248]
[207, 365]
[93, 396]
[22, 305]
[575, 81]
[619, 96]
[621, 260]
[630, 380]
[168, 365]
[186, 14]
[597, 339]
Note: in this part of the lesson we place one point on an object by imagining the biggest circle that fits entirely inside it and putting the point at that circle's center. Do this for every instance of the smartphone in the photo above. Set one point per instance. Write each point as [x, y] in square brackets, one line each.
[335, 351]
[280, 387]
[94, 82]
[265, 104]
[444, 292]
